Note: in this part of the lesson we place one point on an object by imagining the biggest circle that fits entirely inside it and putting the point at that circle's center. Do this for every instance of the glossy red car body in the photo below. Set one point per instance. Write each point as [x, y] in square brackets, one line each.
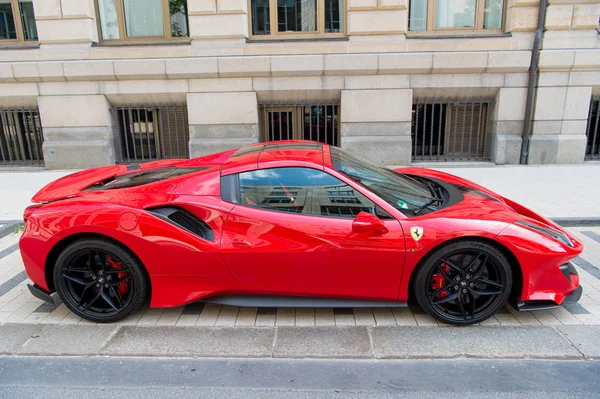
[261, 252]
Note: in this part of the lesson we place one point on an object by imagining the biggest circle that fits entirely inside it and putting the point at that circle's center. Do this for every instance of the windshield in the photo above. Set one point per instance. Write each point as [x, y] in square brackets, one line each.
[398, 190]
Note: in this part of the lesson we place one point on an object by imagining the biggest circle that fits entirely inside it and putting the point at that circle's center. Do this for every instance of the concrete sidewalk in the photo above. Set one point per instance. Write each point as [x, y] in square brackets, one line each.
[570, 191]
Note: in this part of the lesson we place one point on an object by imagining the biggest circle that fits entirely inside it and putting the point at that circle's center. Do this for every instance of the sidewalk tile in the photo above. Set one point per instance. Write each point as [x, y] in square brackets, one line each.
[265, 317]
[507, 319]
[344, 319]
[585, 338]
[404, 317]
[209, 315]
[324, 317]
[305, 317]
[384, 317]
[425, 320]
[170, 316]
[546, 318]
[564, 316]
[151, 317]
[246, 317]
[70, 318]
[227, 316]
[20, 315]
[285, 317]
[364, 317]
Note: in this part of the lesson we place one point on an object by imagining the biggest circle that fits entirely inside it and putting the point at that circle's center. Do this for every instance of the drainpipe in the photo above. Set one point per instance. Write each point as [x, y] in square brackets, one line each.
[532, 85]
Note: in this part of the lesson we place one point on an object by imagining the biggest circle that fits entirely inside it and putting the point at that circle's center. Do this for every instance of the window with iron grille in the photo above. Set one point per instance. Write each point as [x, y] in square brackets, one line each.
[318, 122]
[592, 149]
[21, 137]
[152, 132]
[450, 130]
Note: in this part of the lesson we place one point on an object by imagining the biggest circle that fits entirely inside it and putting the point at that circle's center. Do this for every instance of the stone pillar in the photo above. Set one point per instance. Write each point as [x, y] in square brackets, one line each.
[376, 124]
[66, 21]
[78, 131]
[221, 121]
[506, 125]
[559, 127]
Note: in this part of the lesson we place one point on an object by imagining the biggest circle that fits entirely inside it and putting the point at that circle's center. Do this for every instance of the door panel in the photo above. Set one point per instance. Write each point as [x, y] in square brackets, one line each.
[287, 253]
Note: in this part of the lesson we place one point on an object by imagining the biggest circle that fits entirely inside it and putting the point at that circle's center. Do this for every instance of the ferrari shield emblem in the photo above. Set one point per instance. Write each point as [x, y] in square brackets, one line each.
[416, 232]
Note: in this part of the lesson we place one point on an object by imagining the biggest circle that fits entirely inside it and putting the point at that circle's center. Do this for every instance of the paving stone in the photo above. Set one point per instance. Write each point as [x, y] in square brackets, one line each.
[585, 338]
[323, 342]
[482, 342]
[191, 341]
[69, 340]
[13, 336]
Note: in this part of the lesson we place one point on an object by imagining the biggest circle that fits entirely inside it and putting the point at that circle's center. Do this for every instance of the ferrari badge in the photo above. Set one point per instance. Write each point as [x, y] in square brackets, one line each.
[416, 232]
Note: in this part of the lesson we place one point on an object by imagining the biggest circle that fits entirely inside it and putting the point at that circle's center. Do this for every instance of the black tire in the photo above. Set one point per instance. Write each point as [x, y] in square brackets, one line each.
[100, 281]
[464, 282]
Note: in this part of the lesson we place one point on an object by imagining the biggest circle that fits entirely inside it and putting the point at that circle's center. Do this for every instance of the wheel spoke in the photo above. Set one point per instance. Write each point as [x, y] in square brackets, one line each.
[115, 283]
[486, 292]
[94, 299]
[82, 297]
[438, 292]
[441, 270]
[478, 269]
[452, 265]
[117, 296]
[461, 305]
[108, 299]
[490, 282]
[114, 271]
[445, 299]
[99, 263]
[473, 304]
[77, 280]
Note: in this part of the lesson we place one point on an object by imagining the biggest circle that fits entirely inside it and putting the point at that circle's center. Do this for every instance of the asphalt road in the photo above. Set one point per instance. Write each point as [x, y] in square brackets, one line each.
[76, 377]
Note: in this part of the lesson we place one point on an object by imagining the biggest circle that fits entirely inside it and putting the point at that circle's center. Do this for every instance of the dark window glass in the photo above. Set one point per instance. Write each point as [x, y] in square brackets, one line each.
[398, 190]
[179, 20]
[261, 22]
[334, 16]
[305, 191]
[28, 20]
[8, 29]
[297, 15]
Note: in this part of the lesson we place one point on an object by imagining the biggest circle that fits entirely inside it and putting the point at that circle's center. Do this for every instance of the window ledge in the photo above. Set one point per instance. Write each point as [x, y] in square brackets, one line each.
[19, 46]
[133, 44]
[313, 39]
[461, 36]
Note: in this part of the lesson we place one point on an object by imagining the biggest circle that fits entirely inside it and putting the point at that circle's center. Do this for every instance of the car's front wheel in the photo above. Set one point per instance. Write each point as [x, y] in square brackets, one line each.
[100, 281]
[464, 282]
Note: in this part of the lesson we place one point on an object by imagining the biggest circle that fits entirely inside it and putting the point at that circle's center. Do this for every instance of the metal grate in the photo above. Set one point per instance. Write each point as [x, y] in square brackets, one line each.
[21, 137]
[318, 122]
[152, 132]
[592, 149]
[450, 130]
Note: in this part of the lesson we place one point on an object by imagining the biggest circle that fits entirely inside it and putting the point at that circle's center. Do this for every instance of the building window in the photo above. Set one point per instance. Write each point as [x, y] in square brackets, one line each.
[450, 130]
[317, 122]
[148, 133]
[21, 137]
[297, 18]
[455, 16]
[17, 21]
[142, 20]
[592, 149]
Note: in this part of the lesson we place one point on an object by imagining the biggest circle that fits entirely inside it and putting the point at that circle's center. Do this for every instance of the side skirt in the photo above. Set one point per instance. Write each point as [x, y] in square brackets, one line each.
[299, 302]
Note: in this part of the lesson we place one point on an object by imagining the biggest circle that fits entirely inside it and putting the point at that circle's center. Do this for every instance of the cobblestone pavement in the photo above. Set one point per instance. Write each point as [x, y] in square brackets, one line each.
[17, 305]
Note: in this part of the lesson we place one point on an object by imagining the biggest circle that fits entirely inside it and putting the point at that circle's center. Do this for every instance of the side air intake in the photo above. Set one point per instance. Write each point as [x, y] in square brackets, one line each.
[185, 220]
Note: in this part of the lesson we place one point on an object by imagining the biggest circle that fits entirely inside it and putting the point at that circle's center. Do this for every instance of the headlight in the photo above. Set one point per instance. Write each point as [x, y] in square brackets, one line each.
[548, 232]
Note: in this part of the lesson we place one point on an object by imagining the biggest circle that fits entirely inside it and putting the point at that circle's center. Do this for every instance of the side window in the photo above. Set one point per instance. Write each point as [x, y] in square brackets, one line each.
[305, 191]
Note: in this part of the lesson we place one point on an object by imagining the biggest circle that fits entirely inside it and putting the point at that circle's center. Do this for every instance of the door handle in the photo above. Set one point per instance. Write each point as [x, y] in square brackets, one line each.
[241, 244]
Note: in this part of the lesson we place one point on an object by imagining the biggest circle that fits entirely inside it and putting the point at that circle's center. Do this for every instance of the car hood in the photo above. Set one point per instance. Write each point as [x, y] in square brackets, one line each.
[479, 202]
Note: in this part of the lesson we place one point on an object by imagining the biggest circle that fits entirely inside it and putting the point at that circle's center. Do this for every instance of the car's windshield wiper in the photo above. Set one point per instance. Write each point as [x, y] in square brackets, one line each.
[434, 193]
[419, 210]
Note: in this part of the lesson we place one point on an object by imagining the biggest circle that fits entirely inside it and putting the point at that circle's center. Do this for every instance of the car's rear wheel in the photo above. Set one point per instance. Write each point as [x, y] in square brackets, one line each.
[464, 282]
[100, 281]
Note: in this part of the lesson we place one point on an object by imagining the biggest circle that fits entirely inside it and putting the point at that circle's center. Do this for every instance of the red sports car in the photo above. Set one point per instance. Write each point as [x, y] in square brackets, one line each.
[290, 223]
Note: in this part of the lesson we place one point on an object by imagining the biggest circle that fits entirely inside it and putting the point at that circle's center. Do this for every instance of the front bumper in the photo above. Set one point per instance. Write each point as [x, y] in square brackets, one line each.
[570, 273]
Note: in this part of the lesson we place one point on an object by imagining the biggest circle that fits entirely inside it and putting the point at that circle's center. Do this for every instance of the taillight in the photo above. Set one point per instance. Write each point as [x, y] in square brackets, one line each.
[29, 210]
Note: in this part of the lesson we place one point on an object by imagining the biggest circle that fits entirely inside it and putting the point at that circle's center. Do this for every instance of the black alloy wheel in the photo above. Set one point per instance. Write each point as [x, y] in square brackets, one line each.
[100, 281]
[463, 283]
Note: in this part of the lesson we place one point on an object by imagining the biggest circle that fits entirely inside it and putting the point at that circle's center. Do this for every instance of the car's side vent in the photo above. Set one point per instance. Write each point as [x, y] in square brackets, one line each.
[185, 220]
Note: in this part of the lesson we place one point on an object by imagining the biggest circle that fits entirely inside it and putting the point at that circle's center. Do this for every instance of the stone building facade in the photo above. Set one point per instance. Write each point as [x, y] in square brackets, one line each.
[393, 80]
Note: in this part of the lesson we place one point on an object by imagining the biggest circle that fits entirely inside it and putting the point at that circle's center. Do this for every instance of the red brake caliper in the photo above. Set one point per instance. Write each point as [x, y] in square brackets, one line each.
[123, 287]
[438, 281]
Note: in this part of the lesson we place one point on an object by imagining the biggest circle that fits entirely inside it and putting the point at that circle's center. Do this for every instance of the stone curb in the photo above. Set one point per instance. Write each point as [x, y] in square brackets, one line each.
[489, 342]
